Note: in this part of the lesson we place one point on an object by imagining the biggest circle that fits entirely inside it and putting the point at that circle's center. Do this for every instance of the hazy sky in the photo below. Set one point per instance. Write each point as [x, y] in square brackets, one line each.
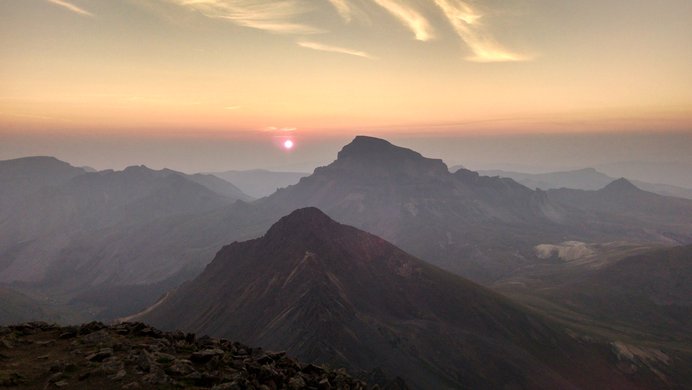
[113, 73]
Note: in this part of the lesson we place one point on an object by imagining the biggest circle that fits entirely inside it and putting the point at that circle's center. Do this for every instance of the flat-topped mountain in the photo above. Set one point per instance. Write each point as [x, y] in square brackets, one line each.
[331, 293]
[414, 201]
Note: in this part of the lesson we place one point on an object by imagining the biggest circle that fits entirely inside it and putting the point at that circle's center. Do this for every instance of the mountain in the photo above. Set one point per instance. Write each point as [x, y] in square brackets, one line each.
[470, 224]
[620, 208]
[259, 183]
[23, 176]
[328, 292]
[671, 173]
[649, 289]
[217, 185]
[16, 307]
[139, 232]
[134, 356]
[583, 179]
[640, 291]
[59, 231]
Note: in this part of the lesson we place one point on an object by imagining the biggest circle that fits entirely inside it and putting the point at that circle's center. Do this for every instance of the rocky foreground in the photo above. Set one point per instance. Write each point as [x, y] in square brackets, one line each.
[37, 355]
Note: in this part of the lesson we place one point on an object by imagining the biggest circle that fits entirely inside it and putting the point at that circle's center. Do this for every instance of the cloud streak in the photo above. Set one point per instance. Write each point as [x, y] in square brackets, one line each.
[333, 49]
[467, 24]
[411, 18]
[343, 8]
[71, 7]
[284, 17]
[272, 16]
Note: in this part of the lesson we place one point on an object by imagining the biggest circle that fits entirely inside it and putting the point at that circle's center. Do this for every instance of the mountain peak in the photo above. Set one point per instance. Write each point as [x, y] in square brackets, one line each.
[375, 148]
[620, 185]
[304, 220]
[370, 153]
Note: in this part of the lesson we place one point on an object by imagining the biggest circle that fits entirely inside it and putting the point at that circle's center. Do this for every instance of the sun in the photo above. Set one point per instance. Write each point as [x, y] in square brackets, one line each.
[288, 144]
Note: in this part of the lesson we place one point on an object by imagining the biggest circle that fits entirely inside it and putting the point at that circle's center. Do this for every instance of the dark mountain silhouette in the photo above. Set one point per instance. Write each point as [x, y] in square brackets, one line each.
[450, 219]
[331, 293]
[61, 230]
[23, 176]
[216, 184]
[582, 179]
[260, 182]
[620, 208]
[103, 235]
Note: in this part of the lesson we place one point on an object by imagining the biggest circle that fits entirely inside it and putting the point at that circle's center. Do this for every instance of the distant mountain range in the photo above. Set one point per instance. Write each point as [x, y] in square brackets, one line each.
[108, 244]
[57, 221]
[582, 179]
[331, 293]
[259, 183]
[480, 227]
[99, 236]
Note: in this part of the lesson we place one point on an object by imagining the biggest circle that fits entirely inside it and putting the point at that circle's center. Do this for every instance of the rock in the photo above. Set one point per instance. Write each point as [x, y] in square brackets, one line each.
[144, 362]
[313, 369]
[163, 358]
[205, 355]
[156, 377]
[228, 386]
[100, 338]
[180, 367]
[131, 356]
[296, 383]
[90, 327]
[56, 377]
[324, 384]
[69, 332]
[120, 375]
[101, 355]
[8, 379]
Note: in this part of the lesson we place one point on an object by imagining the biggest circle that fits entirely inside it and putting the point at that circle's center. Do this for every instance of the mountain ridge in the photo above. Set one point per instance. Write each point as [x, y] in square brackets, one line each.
[332, 293]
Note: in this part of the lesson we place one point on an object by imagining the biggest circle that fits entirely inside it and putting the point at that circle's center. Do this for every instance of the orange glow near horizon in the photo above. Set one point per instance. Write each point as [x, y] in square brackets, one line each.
[445, 67]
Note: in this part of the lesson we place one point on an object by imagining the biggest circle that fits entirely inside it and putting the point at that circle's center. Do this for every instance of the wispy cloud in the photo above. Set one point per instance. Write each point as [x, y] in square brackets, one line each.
[411, 18]
[280, 129]
[467, 24]
[333, 49]
[273, 16]
[343, 8]
[285, 17]
[71, 7]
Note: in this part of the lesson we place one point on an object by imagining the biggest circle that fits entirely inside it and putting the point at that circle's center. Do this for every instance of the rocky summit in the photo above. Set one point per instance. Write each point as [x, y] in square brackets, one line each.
[38, 355]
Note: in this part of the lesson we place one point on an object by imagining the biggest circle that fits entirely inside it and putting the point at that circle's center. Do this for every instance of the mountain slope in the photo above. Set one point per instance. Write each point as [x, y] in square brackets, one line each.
[21, 177]
[583, 179]
[620, 208]
[470, 224]
[331, 293]
[259, 182]
[217, 185]
[135, 356]
[650, 290]
[62, 236]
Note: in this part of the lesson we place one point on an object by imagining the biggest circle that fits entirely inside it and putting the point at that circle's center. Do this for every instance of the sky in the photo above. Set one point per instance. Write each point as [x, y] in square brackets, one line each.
[137, 79]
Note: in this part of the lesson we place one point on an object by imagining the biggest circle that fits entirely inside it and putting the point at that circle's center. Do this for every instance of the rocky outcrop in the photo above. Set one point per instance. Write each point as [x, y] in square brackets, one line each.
[38, 355]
